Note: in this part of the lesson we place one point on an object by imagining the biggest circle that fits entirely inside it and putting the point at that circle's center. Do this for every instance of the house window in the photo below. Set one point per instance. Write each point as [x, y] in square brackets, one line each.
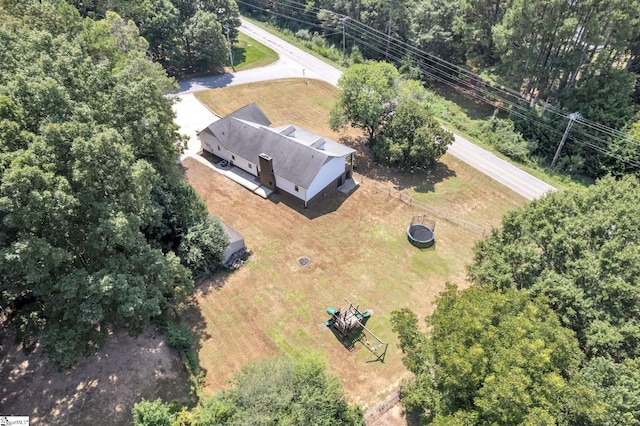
[296, 188]
[250, 166]
[233, 157]
[218, 147]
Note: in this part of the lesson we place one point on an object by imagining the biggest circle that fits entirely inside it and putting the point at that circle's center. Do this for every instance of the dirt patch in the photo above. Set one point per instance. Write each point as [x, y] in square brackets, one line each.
[99, 390]
[395, 416]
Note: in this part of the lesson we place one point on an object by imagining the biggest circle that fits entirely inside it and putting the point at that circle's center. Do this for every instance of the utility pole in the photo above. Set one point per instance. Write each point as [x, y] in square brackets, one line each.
[572, 117]
[226, 27]
[344, 23]
[386, 53]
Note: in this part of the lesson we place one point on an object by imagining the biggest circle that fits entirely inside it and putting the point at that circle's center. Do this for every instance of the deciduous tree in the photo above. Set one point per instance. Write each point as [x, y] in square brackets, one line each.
[203, 246]
[367, 96]
[493, 358]
[580, 250]
[276, 391]
[92, 206]
[617, 385]
[412, 137]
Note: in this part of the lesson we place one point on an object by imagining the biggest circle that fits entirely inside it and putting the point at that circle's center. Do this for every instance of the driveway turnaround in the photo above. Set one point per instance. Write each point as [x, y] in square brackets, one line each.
[191, 116]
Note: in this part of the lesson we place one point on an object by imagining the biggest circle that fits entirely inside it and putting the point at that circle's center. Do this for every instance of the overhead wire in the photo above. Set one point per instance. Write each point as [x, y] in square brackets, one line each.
[433, 66]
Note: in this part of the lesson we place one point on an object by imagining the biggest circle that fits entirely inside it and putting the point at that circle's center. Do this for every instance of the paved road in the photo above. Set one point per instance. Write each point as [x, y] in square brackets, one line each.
[295, 62]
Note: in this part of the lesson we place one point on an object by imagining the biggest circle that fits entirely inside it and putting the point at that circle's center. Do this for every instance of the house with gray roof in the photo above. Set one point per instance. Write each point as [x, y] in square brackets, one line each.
[287, 158]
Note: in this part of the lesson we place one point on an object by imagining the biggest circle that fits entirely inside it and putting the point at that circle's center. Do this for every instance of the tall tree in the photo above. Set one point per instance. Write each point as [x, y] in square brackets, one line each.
[493, 358]
[580, 250]
[205, 43]
[368, 93]
[475, 23]
[159, 23]
[276, 391]
[164, 22]
[544, 45]
[88, 182]
[412, 137]
[604, 95]
[432, 28]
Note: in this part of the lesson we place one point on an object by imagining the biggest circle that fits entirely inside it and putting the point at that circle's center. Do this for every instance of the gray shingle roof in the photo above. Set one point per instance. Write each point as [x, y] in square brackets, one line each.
[251, 112]
[294, 157]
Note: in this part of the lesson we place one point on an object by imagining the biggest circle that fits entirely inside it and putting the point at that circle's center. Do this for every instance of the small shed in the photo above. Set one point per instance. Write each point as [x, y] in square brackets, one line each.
[236, 243]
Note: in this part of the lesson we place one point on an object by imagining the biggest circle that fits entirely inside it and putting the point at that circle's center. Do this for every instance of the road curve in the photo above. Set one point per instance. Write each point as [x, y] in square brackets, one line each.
[295, 62]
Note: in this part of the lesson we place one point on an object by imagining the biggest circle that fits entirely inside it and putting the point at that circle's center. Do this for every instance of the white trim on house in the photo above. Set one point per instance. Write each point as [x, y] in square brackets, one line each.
[301, 159]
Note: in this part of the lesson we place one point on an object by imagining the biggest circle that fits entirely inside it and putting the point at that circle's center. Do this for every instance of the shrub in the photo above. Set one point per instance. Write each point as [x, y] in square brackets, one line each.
[179, 336]
[503, 136]
[303, 34]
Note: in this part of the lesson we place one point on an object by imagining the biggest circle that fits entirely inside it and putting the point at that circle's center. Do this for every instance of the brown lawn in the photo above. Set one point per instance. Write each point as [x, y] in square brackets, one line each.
[357, 246]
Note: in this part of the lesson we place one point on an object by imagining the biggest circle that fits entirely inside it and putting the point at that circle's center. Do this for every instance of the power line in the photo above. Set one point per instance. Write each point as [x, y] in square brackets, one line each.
[454, 76]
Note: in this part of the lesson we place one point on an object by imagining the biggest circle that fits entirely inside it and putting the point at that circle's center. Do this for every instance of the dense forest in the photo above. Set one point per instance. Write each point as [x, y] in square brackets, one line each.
[99, 227]
[184, 36]
[535, 61]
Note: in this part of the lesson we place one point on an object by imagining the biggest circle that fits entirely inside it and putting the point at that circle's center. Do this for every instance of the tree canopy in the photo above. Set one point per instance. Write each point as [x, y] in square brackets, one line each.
[92, 205]
[579, 249]
[412, 137]
[368, 94]
[401, 128]
[276, 391]
[618, 386]
[493, 358]
[183, 35]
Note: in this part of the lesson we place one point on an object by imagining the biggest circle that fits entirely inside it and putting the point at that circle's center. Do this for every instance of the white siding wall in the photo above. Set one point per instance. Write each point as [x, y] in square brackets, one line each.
[328, 173]
[211, 144]
[290, 187]
[244, 164]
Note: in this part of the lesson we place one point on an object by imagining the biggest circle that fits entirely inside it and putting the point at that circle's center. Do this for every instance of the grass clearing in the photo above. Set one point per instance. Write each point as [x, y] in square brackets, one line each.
[249, 53]
[358, 249]
[281, 101]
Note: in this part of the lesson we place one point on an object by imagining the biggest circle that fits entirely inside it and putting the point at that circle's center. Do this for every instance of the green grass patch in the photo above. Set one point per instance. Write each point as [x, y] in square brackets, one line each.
[321, 52]
[297, 344]
[249, 53]
[428, 261]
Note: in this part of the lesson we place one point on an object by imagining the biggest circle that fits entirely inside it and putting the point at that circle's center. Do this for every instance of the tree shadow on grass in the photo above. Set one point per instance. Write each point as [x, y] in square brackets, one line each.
[422, 179]
[239, 55]
[474, 108]
[207, 283]
[198, 325]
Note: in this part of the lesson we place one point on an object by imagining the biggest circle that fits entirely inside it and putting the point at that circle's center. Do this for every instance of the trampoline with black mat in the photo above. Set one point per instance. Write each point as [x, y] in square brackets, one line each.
[421, 231]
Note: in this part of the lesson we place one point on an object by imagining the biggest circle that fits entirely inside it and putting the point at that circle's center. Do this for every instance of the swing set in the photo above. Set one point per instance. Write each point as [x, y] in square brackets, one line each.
[348, 323]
